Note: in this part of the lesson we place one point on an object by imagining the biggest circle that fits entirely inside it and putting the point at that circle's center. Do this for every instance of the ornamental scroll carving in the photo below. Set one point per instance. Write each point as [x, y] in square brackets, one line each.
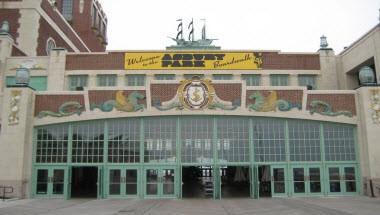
[375, 105]
[13, 118]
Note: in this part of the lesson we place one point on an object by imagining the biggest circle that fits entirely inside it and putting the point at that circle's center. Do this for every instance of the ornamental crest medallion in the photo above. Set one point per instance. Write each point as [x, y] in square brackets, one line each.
[196, 94]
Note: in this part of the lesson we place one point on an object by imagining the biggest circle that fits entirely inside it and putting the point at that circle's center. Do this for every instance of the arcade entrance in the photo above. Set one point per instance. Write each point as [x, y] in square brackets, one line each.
[197, 182]
[235, 182]
[84, 182]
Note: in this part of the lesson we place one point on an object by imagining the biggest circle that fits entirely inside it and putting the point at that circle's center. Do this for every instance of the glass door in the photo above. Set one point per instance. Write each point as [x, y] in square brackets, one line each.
[160, 182]
[50, 182]
[306, 180]
[122, 182]
[278, 180]
[342, 179]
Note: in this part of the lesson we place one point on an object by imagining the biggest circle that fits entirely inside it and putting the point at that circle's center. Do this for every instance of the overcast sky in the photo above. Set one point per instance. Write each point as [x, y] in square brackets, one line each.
[286, 25]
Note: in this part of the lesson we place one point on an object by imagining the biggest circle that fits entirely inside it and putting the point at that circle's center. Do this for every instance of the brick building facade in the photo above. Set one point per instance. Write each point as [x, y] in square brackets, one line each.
[179, 123]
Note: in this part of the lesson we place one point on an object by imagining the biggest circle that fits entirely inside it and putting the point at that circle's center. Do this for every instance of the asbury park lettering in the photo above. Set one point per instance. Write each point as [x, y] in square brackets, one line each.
[192, 60]
[189, 60]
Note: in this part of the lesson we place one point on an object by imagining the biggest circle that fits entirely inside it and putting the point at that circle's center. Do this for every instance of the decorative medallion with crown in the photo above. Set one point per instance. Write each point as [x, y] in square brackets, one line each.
[196, 94]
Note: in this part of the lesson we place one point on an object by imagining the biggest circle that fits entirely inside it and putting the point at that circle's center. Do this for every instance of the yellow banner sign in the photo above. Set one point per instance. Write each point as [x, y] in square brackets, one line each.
[192, 60]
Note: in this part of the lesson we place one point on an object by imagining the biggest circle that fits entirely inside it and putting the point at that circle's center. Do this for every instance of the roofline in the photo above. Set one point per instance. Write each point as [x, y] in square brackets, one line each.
[178, 51]
[360, 38]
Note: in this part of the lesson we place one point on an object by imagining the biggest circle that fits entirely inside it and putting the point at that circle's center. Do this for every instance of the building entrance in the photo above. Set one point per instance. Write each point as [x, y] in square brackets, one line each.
[84, 182]
[235, 181]
[197, 182]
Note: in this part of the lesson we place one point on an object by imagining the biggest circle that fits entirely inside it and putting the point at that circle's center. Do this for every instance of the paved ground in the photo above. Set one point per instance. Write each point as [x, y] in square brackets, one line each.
[288, 206]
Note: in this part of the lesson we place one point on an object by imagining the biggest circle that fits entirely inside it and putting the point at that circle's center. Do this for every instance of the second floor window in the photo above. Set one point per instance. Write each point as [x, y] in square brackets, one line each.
[135, 80]
[279, 80]
[222, 77]
[164, 77]
[251, 80]
[67, 9]
[107, 80]
[76, 81]
[307, 80]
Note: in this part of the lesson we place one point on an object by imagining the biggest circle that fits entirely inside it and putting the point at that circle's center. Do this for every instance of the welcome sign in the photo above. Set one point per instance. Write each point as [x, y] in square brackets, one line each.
[192, 60]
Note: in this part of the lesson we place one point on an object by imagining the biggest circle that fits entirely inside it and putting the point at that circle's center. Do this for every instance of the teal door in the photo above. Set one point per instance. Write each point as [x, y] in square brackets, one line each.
[342, 179]
[278, 180]
[306, 180]
[50, 182]
[123, 182]
[160, 182]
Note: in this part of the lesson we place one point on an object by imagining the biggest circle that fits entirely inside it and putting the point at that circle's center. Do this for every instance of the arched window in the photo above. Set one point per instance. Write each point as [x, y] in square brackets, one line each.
[50, 44]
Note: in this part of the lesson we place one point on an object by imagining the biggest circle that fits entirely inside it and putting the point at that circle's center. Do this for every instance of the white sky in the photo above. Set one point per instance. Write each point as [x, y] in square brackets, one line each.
[286, 25]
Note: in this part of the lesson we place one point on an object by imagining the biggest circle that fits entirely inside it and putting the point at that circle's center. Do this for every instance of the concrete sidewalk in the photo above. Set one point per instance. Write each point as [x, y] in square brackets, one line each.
[288, 206]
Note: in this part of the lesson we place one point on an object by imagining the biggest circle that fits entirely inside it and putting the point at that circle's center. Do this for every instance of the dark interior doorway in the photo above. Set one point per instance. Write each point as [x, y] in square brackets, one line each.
[84, 182]
[264, 181]
[235, 182]
[197, 182]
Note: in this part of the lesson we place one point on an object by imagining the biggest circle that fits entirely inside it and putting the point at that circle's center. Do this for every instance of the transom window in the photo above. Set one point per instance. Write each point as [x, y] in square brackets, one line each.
[76, 81]
[251, 79]
[304, 141]
[233, 139]
[124, 141]
[87, 143]
[160, 139]
[339, 143]
[202, 140]
[106, 80]
[135, 80]
[196, 137]
[269, 140]
[279, 80]
[52, 144]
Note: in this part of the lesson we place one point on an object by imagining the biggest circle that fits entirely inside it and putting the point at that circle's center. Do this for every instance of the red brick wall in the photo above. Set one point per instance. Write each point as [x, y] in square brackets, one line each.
[17, 52]
[63, 25]
[12, 16]
[100, 96]
[228, 92]
[293, 96]
[113, 60]
[163, 92]
[273, 60]
[45, 31]
[81, 23]
[338, 102]
[52, 102]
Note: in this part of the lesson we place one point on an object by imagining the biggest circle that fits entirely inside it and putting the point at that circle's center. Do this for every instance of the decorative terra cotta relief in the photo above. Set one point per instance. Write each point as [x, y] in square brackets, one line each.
[375, 105]
[13, 118]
